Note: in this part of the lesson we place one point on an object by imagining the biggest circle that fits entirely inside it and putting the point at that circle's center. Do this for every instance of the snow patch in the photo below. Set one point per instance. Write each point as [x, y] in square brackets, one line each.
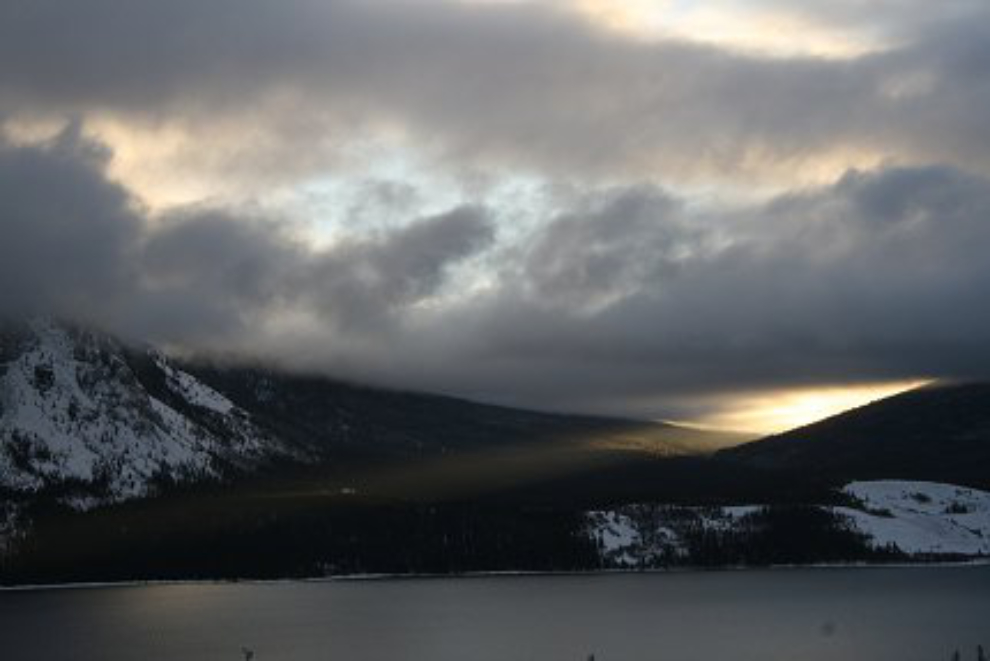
[921, 518]
[649, 535]
[192, 389]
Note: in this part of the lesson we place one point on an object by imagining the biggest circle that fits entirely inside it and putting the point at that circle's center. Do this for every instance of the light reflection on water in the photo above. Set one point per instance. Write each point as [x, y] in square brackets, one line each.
[787, 615]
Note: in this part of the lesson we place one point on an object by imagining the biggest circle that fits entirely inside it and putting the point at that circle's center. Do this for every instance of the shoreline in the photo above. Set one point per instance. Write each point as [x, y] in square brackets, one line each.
[475, 575]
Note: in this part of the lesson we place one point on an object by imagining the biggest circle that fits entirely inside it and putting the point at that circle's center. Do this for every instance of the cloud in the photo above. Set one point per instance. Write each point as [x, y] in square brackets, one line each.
[640, 304]
[629, 301]
[590, 259]
[363, 285]
[306, 85]
[73, 243]
[66, 231]
[898, 18]
[209, 277]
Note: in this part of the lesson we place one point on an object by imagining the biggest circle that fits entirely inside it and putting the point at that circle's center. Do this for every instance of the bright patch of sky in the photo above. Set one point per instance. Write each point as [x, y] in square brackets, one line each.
[771, 29]
[397, 188]
[774, 412]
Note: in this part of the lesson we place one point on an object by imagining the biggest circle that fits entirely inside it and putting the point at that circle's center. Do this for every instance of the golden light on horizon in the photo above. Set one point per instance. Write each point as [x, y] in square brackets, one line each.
[775, 412]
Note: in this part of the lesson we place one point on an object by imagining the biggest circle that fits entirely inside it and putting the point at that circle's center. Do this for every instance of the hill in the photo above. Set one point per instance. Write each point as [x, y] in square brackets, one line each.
[939, 432]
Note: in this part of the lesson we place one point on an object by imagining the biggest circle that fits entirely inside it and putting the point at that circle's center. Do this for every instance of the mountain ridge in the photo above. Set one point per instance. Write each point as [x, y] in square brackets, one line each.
[95, 421]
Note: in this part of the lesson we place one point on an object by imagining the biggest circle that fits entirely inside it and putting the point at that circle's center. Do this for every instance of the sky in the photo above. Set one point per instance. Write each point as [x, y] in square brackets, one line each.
[737, 213]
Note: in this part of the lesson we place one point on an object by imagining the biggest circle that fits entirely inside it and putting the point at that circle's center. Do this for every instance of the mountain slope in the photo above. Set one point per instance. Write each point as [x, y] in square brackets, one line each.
[92, 421]
[937, 433]
[336, 418]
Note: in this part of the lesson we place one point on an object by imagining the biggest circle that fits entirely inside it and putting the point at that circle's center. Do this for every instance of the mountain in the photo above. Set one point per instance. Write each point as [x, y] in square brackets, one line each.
[94, 421]
[939, 432]
[119, 463]
[91, 420]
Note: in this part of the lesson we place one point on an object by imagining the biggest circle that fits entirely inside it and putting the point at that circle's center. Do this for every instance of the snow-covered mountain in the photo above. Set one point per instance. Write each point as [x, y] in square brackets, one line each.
[91, 421]
[86, 421]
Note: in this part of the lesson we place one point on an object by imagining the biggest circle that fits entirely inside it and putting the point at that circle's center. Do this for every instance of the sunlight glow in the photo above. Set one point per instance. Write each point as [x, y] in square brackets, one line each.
[727, 24]
[743, 25]
[775, 412]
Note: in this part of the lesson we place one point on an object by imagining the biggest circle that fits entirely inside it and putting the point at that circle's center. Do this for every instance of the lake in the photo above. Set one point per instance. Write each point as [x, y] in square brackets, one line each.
[907, 614]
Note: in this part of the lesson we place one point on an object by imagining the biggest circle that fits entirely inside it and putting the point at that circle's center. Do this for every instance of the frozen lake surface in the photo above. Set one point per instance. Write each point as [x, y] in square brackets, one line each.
[902, 614]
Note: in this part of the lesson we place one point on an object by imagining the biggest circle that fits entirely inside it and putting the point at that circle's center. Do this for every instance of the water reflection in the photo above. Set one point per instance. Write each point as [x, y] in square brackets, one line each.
[811, 615]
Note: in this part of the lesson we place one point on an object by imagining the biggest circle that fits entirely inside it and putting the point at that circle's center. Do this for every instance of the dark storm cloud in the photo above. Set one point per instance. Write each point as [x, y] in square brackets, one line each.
[882, 276]
[66, 231]
[586, 260]
[210, 276]
[517, 83]
[361, 284]
[209, 272]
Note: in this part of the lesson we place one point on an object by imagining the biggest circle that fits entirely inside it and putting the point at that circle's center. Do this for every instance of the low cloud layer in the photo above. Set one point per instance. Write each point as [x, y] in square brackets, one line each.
[631, 300]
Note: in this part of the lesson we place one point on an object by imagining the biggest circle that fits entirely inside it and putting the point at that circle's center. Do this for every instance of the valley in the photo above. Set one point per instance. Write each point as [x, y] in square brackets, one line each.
[120, 463]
